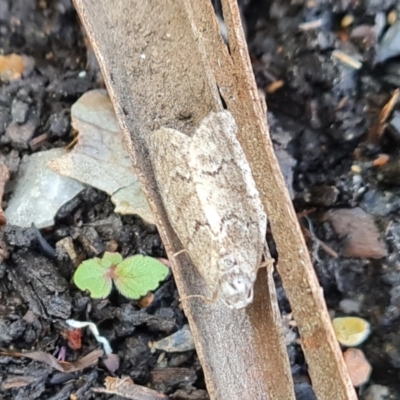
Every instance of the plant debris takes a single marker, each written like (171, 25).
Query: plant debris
(62, 366)
(358, 229)
(336, 132)
(99, 158)
(126, 388)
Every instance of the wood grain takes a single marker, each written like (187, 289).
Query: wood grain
(236, 84)
(156, 76)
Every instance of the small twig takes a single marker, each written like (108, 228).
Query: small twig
(376, 131)
(306, 26)
(311, 234)
(126, 388)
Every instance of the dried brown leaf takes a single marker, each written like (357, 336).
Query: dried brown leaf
(62, 366)
(358, 227)
(126, 388)
(376, 131)
(111, 362)
(13, 382)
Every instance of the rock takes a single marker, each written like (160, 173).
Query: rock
(59, 123)
(362, 236)
(322, 195)
(393, 310)
(390, 44)
(39, 192)
(11, 161)
(4, 118)
(381, 202)
(177, 342)
(376, 392)
(349, 306)
(358, 366)
(304, 391)
(20, 135)
(19, 111)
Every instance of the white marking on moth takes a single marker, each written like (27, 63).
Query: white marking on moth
(213, 216)
(212, 204)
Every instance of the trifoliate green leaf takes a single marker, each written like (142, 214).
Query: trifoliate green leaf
(110, 259)
(93, 276)
(137, 275)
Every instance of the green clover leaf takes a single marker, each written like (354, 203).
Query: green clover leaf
(137, 275)
(93, 276)
(110, 259)
(134, 277)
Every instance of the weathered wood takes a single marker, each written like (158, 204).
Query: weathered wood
(156, 76)
(235, 80)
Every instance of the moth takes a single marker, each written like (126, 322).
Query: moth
(212, 203)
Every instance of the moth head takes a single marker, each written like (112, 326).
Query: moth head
(236, 288)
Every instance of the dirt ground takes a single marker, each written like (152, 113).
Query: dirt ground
(327, 69)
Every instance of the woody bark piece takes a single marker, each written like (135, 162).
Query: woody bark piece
(153, 70)
(234, 77)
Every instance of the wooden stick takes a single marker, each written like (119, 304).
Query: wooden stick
(154, 71)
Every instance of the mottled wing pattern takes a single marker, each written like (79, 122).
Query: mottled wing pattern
(169, 150)
(212, 203)
(227, 194)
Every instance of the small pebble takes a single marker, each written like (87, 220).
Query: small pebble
(358, 366)
(177, 342)
(59, 124)
(19, 111)
(389, 46)
(376, 392)
(349, 306)
(4, 119)
(111, 246)
(392, 17)
(346, 21)
(20, 135)
(304, 391)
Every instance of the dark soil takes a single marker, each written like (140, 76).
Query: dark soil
(320, 120)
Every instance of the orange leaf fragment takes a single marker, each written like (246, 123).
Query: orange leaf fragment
(11, 66)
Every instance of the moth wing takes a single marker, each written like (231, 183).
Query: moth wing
(169, 151)
(226, 189)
